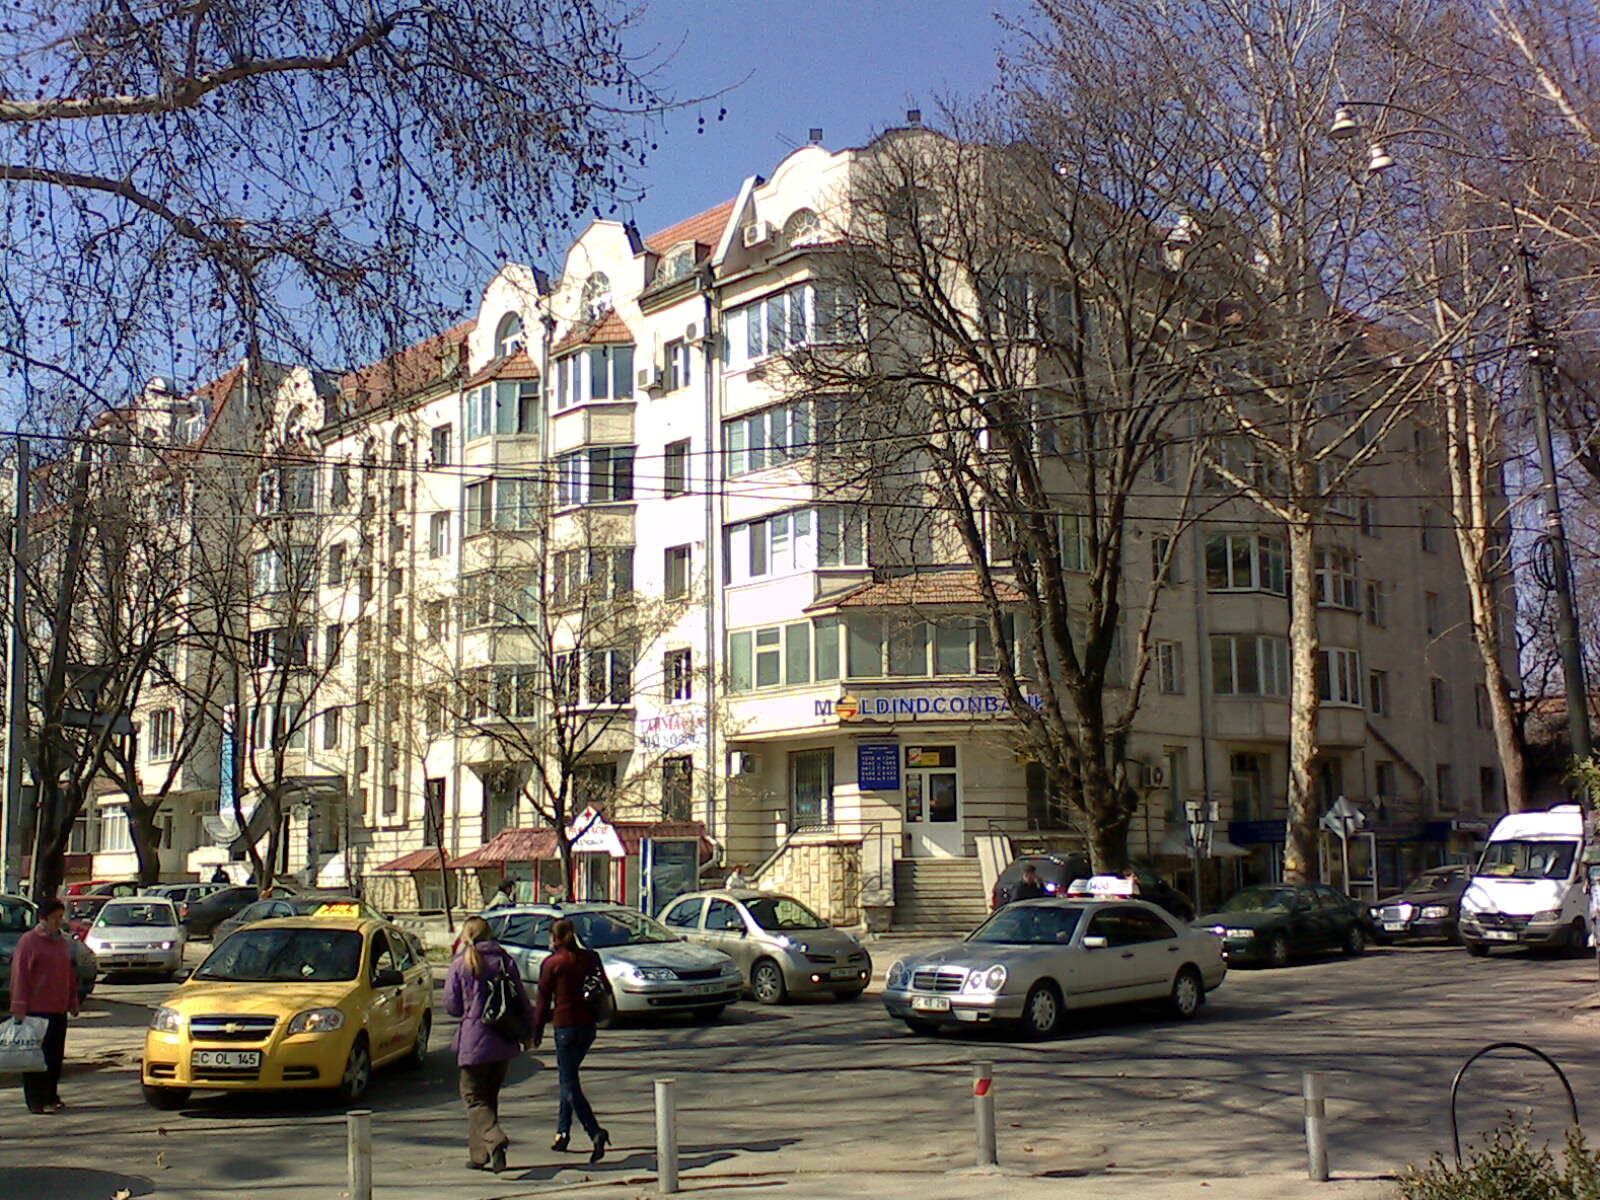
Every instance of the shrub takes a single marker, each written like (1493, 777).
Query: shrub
(1506, 1165)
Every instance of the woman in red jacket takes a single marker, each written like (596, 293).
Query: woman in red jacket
(44, 984)
(562, 1004)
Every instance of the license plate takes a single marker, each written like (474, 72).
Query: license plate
(931, 1003)
(1499, 935)
(842, 973)
(225, 1058)
(705, 989)
(1394, 926)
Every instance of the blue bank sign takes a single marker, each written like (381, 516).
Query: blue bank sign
(878, 766)
(854, 708)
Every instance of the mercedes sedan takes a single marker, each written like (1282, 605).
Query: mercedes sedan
(1033, 961)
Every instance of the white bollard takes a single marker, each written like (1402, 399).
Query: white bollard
(358, 1127)
(1315, 1088)
(983, 1112)
(666, 1138)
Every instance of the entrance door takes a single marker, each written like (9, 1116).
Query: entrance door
(933, 802)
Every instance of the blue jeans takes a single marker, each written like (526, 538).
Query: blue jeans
(572, 1044)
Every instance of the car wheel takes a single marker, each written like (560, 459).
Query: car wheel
(1278, 951)
(165, 1098)
(1578, 939)
(766, 982)
(1188, 993)
(419, 1048)
(1477, 950)
(704, 1016)
(1355, 941)
(921, 1028)
(357, 1072)
(1041, 1011)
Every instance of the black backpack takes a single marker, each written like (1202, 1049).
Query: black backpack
(503, 1010)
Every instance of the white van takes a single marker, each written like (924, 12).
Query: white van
(1530, 886)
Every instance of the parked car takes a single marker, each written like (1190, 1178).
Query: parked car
(1056, 872)
(1426, 908)
(309, 1002)
(100, 887)
(783, 948)
(309, 905)
(1033, 961)
(652, 969)
(81, 912)
(17, 916)
(137, 933)
(1272, 923)
(182, 895)
(210, 911)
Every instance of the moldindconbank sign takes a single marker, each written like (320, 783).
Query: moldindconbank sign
(919, 706)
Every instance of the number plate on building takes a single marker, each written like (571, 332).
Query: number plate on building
(241, 1059)
(931, 1003)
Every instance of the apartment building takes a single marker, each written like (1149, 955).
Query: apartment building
(794, 698)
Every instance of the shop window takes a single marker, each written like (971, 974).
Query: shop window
(810, 789)
(677, 788)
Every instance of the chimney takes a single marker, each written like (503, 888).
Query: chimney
(913, 116)
(815, 135)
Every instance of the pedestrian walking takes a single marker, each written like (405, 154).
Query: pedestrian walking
(568, 983)
(44, 984)
(483, 977)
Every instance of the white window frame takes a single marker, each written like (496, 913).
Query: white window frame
(439, 535)
(1339, 677)
(163, 734)
(1271, 656)
(1338, 583)
(1168, 661)
(1268, 572)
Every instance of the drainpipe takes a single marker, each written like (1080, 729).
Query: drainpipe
(709, 360)
(1202, 660)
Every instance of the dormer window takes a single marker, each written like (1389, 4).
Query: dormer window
(678, 263)
(508, 335)
(596, 297)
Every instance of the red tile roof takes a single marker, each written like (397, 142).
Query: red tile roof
(529, 845)
(403, 372)
(418, 860)
(944, 587)
(610, 330)
(705, 228)
(507, 366)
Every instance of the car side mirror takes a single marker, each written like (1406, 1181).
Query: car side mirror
(1094, 941)
(389, 977)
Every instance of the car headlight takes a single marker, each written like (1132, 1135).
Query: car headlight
(1240, 933)
(166, 945)
(94, 944)
(898, 976)
(1549, 914)
(653, 974)
(317, 1020)
(166, 1020)
(1219, 930)
(1435, 912)
(990, 979)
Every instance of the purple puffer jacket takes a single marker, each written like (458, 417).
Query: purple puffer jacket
(475, 1042)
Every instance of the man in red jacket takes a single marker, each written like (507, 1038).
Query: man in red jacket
(44, 984)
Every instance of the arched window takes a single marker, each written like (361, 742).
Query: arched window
(508, 335)
(802, 228)
(596, 298)
(399, 447)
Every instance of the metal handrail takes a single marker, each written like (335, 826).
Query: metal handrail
(1455, 1086)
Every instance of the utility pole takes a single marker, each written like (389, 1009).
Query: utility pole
(16, 682)
(1540, 355)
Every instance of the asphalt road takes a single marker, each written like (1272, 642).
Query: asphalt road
(830, 1087)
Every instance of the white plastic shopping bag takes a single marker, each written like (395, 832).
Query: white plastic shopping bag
(22, 1044)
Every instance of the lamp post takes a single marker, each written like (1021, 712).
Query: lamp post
(1541, 359)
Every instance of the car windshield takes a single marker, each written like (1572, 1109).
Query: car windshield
(618, 927)
(780, 912)
(1528, 860)
(15, 917)
(127, 915)
(273, 955)
(1432, 881)
(1029, 925)
(1260, 899)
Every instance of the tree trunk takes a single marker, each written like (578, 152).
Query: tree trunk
(146, 839)
(1108, 840)
(1300, 861)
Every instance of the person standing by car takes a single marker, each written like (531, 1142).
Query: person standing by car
(505, 894)
(1029, 887)
(564, 1005)
(483, 1052)
(44, 984)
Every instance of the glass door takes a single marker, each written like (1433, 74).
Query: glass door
(933, 802)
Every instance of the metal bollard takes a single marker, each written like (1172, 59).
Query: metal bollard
(983, 1112)
(358, 1128)
(1314, 1085)
(666, 1138)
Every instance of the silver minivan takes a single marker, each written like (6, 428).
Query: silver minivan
(783, 948)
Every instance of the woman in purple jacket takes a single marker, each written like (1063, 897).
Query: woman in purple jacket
(482, 1053)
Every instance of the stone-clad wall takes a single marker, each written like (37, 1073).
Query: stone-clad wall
(823, 875)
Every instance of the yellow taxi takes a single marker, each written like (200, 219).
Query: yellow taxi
(303, 1002)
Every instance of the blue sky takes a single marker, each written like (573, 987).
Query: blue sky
(850, 67)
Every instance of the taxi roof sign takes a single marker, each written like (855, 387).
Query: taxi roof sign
(1104, 886)
(344, 908)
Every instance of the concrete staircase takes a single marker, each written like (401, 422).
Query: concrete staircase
(938, 895)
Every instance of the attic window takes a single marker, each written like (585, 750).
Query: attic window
(508, 335)
(596, 297)
(676, 264)
(802, 228)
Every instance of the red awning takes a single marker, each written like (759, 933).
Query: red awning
(426, 859)
(532, 845)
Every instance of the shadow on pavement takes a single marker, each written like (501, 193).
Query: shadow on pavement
(70, 1183)
(690, 1158)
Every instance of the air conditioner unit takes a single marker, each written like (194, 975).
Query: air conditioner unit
(657, 380)
(644, 376)
(1153, 775)
(690, 332)
(756, 233)
(742, 762)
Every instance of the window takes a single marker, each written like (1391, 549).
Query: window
(1076, 532)
(603, 475)
(826, 648)
(1245, 562)
(841, 536)
(676, 264)
(1337, 586)
(677, 359)
(1488, 790)
(776, 656)
(439, 535)
(339, 493)
(594, 373)
(609, 678)
(767, 438)
(507, 407)
(330, 729)
(810, 788)
(675, 478)
(908, 648)
(786, 321)
(280, 647)
(1445, 787)
(677, 788)
(515, 503)
(332, 643)
(1386, 777)
(115, 835)
(1429, 535)
(1330, 471)
(508, 335)
(1377, 605)
(802, 227)
(775, 545)
(1161, 464)
(503, 597)
(479, 508)
(591, 576)
(677, 673)
(1439, 699)
(1339, 676)
(1168, 657)
(439, 445)
(676, 568)
(1163, 554)
(1370, 525)
(432, 811)
(595, 300)
(1249, 664)
(1481, 712)
(1430, 610)
(163, 734)
(875, 648)
(1378, 692)
(336, 565)
(435, 618)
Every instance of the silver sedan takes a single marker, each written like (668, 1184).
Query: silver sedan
(137, 933)
(1031, 962)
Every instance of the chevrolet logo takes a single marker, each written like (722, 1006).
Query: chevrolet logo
(233, 1027)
